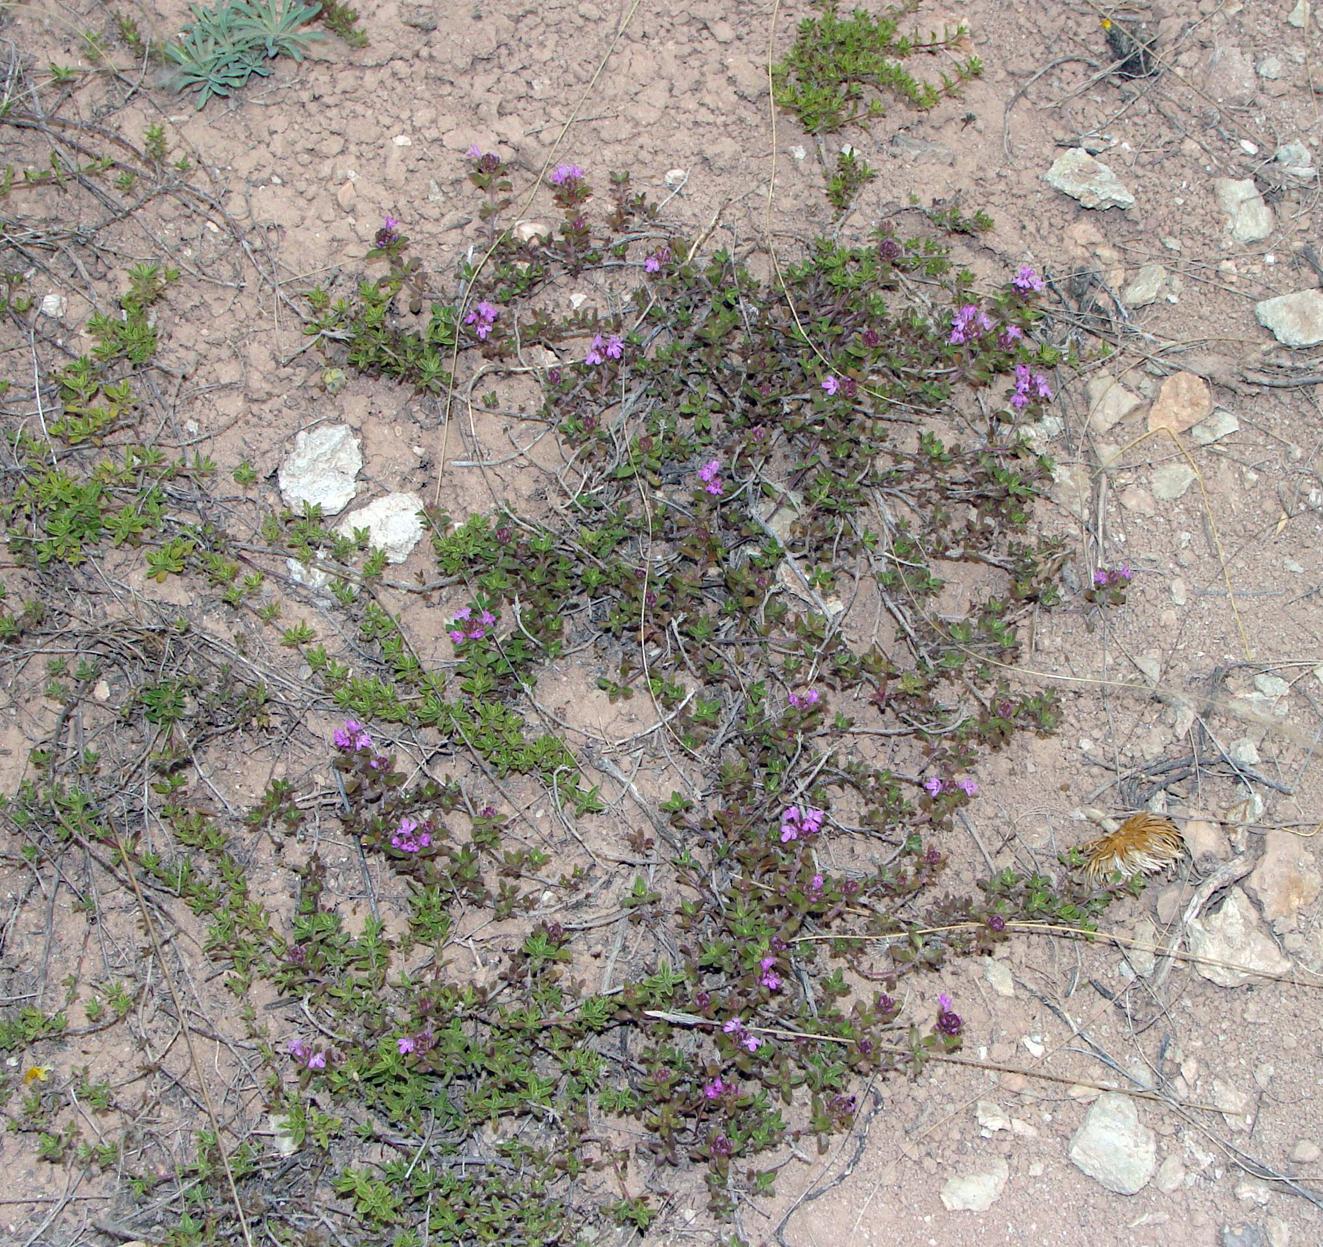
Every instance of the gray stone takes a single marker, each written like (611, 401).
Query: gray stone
(1072, 488)
(1109, 401)
(53, 305)
(1114, 1147)
(1138, 500)
(321, 469)
(392, 523)
(1171, 481)
(1248, 217)
(1145, 286)
(1270, 67)
(1286, 879)
(1171, 1174)
(1219, 425)
(1299, 16)
(1243, 1236)
(1296, 161)
(1092, 183)
(1296, 320)
(977, 1191)
(1235, 934)
(998, 974)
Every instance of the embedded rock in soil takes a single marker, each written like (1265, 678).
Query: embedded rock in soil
(1219, 425)
(978, 1191)
(1145, 286)
(1296, 320)
(1286, 879)
(1109, 401)
(1235, 934)
(392, 523)
(1248, 217)
(1114, 1147)
(1182, 402)
(1171, 481)
(1296, 161)
(1079, 175)
(321, 469)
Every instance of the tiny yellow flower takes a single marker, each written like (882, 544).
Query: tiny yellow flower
(36, 1073)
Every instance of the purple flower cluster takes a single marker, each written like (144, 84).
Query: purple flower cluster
(1029, 384)
(840, 385)
(969, 322)
(1026, 280)
(562, 175)
(709, 474)
(816, 885)
(309, 1058)
(802, 701)
(414, 1043)
(482, 318)
(471, 629)
(715, 1088)
(410, 836)
(1010, 336)
(797, 822)
(1112, 578)
(654, 262)
(352, 737)
(601, 349)
(488, 162)
(388, 233)
(947, 1022)
(769, 977)
(735, 1028)
(935, 786)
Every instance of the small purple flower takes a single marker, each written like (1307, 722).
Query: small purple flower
(1099, 578)
(298, 1050)
(406, 1044)
(997, 922)
(352, 736)
(1124, 572)
(802, 701)
(933, 786)
(709, 475)
(769, 977)
(596, 351)
(655, 261)
(562, 174)
(751, 1043)
(388, 232)
(714, 1089)
(949, 1023)
(944, 1002)
(317, 1060)
(482, 318)
(734, 1027)
(1010, 336)
(969, 322)
(816, 883)
(1026, 279)
(831, 384)
(967, 785)
(615, 346)
(474, 152)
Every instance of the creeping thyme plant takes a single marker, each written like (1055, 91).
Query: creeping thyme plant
(732, 924)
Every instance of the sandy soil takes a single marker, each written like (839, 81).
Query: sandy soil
(307, 163)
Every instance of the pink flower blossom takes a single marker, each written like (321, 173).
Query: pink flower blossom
(714, 1089)
(474, 152)
(406, 1044)
(1026, 279)
(933, 785)
(967, 785)
(831, 384)
(654, 262)
(562, 174)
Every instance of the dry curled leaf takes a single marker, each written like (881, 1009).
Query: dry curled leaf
(1142, 845)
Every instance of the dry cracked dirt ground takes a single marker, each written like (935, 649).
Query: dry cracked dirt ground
(1205, 690)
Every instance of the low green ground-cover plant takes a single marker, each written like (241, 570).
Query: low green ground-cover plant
(747, 462)
(839, 68)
